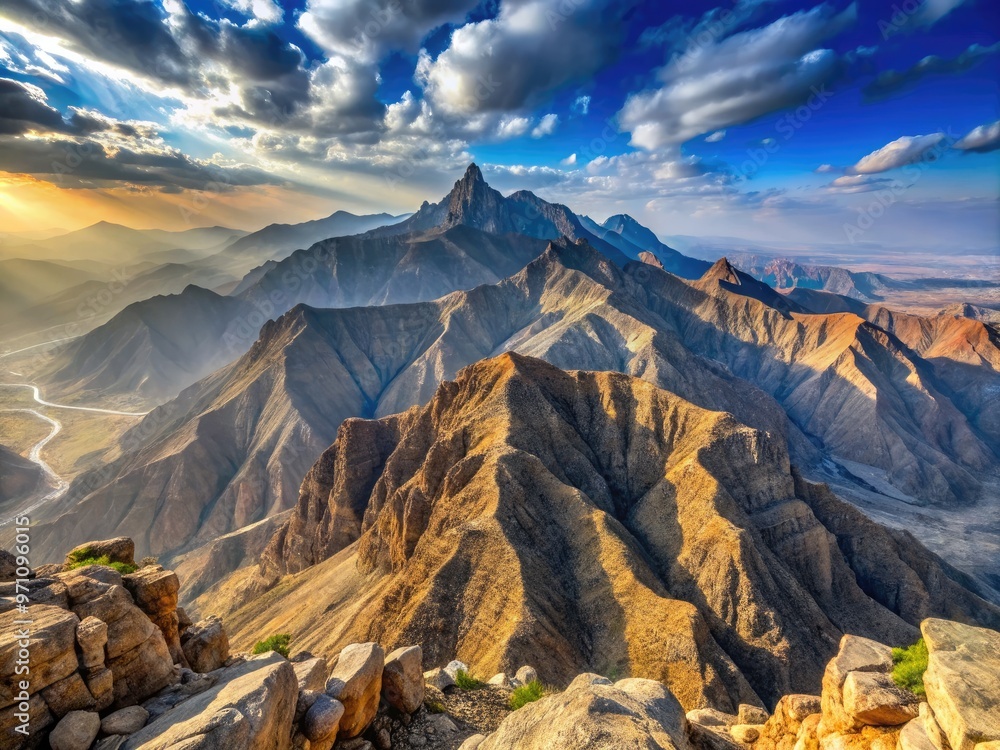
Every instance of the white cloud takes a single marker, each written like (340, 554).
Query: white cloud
(569, 161)
(531, 48)
(581, 105)
(715, 137)
(981, 139)
(267, 11)
(825, 168)
(902, 151)
(546, 126)
(933, 11)
(513, 127)
(857, 183)
(737, 79)
(366, 29)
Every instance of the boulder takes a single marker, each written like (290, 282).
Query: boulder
(155, 592)
(322, 720)
(77, 730)
(500, 680)
(91, 638)
(356, 681)
(439, 678)
(311, 674)
(101, 684)
(403, 679)
(857, 654)
(914, 737)
(873, 698)
(251, 707)
(961, 681)
(630, 713)
(525, 675)
(69, 694)
(125, 720)
(748, 714)
(473, 742)
(934, 731)
(587, 678)
(206, 645)
(781, 731)
(52, 656)
(709, 717)
(120, 550)
(746, 733)
(454, 667)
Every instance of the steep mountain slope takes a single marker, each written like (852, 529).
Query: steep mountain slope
(852, 386)
(473, 203)
(153, 348)
(632, 238)
(831, 387)
(277, 241)
(588, 520)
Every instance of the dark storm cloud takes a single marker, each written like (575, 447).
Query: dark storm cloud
(88, 163)
(126, 33)
(891, 81)
(23, 108)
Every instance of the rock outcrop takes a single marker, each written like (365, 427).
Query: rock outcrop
(963, 682)
(630, 713)
(863, 708)
(98, 644)
(589, 521)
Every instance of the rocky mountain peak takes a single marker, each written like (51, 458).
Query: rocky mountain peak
(474, 203)
(722, 270)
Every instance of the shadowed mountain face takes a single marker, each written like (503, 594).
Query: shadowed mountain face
(19, 479)
(632, 238)
(587, 521)
(231, 449)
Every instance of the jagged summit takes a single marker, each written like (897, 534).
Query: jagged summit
(722, 270)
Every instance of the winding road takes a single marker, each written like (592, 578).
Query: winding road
(59, 485)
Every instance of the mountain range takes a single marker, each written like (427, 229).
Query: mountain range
(514, 435)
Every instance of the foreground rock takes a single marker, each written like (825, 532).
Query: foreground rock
(403, 679)
(356, 682)
(251, 708)
(963, 681)
(630, 713)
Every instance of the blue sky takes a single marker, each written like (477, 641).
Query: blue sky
(834, 123)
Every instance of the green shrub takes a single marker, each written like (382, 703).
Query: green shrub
(526, 694)
(909, 666)
(84, 557)
(465, 681)
(278, 642)
(434, 707)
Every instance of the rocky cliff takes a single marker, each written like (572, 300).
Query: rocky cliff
(615, 523)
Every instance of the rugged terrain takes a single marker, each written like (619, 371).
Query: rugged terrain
(590, 521)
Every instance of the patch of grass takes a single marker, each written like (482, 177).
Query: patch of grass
(434, 707)
(526, 694)
(278, 642)
(82, 558)
(909, 666)
(466, 681)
